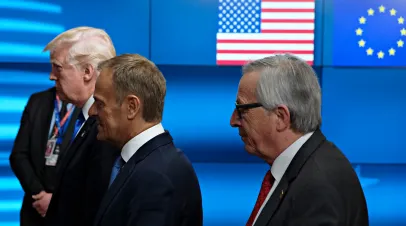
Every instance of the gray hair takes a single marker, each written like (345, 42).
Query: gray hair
(290, 81)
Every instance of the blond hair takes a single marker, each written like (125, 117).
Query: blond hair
(87, 45)
(134, 74)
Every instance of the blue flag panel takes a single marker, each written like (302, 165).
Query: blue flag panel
(369, 33)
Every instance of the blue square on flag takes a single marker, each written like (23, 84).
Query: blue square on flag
(369, 33)
(253, 29)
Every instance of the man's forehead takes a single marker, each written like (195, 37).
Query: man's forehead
(100, 89)
(106, 73)
(250, 78)
(247, 86)
(59, 53)
(104, 79)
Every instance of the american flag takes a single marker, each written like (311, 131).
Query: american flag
(253, 29)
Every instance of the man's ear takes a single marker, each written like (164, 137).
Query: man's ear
(88, 70)
(283, 114)
(133, 106)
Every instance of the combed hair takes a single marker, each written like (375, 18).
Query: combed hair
(87, 45)
(134, 74)
(287, 80)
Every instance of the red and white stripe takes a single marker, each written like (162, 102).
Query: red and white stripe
(287, 26)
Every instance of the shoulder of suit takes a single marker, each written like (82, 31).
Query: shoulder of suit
(42, 94)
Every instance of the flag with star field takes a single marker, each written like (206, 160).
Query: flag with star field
(369, 33)
(253, 29)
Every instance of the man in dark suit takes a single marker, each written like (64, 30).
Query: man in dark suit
(152, 183)
(278, 115)
(84, 172)
(44, 119)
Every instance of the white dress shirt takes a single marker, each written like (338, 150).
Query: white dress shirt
(136, 142)
(281, 163)
(85, 111)
(86, 107)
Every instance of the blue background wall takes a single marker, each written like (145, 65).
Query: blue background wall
(362, 107)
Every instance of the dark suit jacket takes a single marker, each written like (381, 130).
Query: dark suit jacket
(157, 186)
(83, 179)
(27, 159)
(319, 187)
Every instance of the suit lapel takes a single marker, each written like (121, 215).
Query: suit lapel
(46, 112)
(129, 167)
(75, 145)
(290, 175)
(273, 203)
(68, 135)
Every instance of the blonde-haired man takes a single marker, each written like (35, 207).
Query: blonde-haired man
(84, 170)
(75, 55)
(153, 183)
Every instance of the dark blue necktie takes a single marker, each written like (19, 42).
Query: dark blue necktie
(118, 164)
(79, 121)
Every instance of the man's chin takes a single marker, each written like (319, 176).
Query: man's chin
(249, 149)
(63, 97)
(100, 136)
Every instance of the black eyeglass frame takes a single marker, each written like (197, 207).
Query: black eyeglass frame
(238, 107)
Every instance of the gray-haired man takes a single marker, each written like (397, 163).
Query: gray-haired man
(278, 115)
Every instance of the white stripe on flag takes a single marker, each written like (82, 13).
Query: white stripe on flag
(287, 5)
(284, 47)
(275, 15)
(249, 57)
(262, 36)
(288, 26)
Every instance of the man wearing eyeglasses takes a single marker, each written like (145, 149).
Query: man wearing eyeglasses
(310, 181)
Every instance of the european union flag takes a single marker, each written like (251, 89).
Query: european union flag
(369, 33)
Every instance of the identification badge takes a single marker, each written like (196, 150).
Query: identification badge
(52, 158)
(50, 147)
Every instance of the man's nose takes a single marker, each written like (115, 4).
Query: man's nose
(52, 76)
(92, 110)
(235, 119)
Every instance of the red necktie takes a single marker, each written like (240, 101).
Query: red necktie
(265, 189)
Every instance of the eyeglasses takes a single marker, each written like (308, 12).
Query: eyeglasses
(241, 107)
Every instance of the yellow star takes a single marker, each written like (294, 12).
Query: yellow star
(401, 20)
(400, 43)
(402, 32)
(361, 43)
(393, 12)
(370, 51)
(380, 55)
(362, 20)
(392, 52)
(370, 12)
(381, 9)
(359, 31)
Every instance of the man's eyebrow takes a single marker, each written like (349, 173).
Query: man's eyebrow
(238, 101)
(97, 99)
(56, 63)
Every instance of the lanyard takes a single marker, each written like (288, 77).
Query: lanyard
(60, 123)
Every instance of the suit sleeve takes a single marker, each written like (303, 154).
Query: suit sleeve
(20, 156)
(151, 203)
(317, 206)
(100, 162)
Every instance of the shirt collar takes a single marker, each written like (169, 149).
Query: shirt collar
(282, 162)
(136, 142)
(86, 107)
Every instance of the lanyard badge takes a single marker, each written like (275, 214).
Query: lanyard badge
(59, 124)
(52, 148)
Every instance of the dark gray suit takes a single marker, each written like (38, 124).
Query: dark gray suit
(27, 159)
(319, 188)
